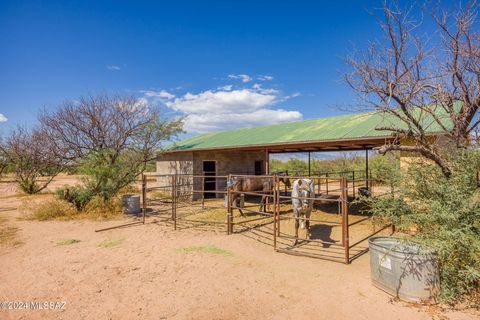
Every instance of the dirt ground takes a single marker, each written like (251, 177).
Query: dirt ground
(153, 272)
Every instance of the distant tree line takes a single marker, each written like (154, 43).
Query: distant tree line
(380, 166)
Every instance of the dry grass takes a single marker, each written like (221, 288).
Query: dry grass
(111, 243)
(8, 234)
(56, 209)
(98, 209)
(165, 195)
(211, 249)
(130, 189)
(48, 210)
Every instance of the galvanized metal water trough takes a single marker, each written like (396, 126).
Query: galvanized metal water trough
(404, 270)
(131, 203)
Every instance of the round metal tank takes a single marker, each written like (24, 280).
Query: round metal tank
(131, 203)
(404, 271)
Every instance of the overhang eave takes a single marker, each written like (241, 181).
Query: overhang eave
(300, 146)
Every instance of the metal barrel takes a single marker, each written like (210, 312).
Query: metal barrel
(404, 270)
(131, 203)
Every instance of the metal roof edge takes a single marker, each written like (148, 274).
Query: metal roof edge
(277, 144)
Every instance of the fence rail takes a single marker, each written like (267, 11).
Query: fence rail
(179, 199)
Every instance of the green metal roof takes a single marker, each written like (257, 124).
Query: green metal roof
(344, 127)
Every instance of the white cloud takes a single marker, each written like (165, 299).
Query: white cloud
(293, 95)
(223, 109)
(113, 68)
(244, 77)
(3, 118)
(222, 101)
(259, 88)
(226, 88)
(265, 78)
(162, 94)
(224, 121)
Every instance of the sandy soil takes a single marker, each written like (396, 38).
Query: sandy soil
(152, 272)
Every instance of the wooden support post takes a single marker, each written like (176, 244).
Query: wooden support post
(267, 162)
(144, 197)
(174, 200)
(277, 182)
(371, 183)
(366, 168)
(203, 192)
(267, 172)
(340, 211)
(275, 208)
(229, 207)
(309, 171)
(345, 226)
(353, 179)
(346, 187)
(326, 182)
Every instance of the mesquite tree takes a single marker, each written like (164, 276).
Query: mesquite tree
(413, 74)
(32, 158)
(109, 138)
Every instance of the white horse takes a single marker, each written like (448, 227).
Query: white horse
(302, 208)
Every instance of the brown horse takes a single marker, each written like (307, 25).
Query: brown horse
(253, 184)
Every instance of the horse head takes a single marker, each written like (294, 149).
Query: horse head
(305, 191)
(284, 178)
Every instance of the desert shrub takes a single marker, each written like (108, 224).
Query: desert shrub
(79, 196)
(385, 169)
(59, 209)
(104, 178)
(50, 209)
(89, 205)
(443, 214)
(101, 179)
(100, 208)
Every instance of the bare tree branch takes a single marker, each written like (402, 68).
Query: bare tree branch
(421, 81)
(115, 135)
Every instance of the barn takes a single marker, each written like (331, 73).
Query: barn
(247, 150)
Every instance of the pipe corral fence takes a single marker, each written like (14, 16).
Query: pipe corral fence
(339, 225)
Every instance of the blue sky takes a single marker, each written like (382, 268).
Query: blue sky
(221, 64)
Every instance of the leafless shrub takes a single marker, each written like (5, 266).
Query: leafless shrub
(32, 158)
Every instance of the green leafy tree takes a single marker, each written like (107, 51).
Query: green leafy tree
(443, 214)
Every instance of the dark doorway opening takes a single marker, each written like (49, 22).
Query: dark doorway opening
(258, 168)
(209, 169)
